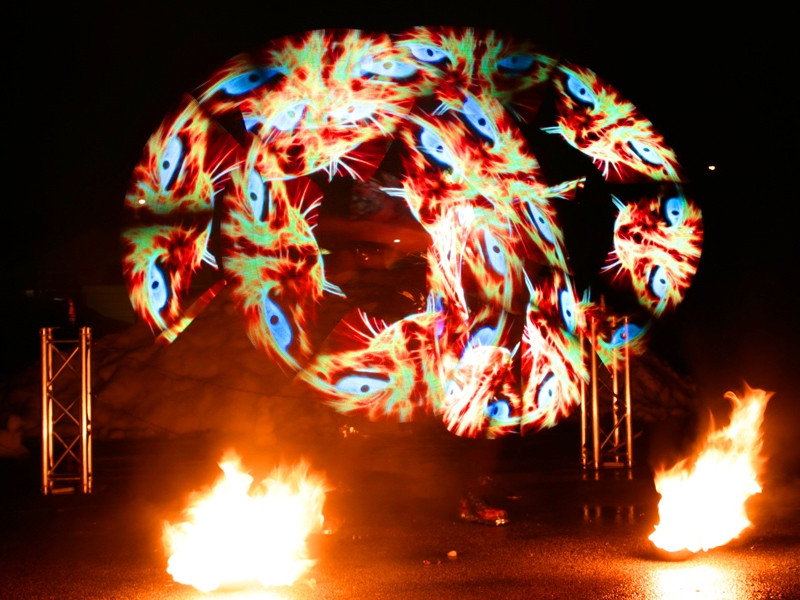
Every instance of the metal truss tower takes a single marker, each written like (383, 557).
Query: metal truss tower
(66, 413)
(611, 444)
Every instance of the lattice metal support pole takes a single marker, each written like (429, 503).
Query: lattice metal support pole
(66, 435)
(584, 454)
(628, 420)
(86, 409)
(615, 396)
(595, 411)
(46, 336)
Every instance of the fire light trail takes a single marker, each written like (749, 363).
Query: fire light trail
(241, 178)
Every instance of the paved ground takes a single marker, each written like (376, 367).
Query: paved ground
(393, 514)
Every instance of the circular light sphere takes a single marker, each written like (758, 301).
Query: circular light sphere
(390, 225)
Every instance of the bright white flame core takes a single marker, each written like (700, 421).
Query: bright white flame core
(235, 535)
(703, 498)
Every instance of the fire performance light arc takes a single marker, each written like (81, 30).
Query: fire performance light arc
(239, 181)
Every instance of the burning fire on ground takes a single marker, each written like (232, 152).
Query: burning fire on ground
(237, 533)
(703, 497)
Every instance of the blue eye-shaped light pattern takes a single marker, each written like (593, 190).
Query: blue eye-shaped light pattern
(675, 211)
(277, 323)
(241, 84)
(494, 253)
(516, 63)
(485, 336)
(428, 54)
(157, 288)
(499, 410)
(546, 394)
(542, 225)
(625, 333)
(436, 305)
(362, 384)
(434, 147)
(580, 91)
(257, 193)
(170, 165)
(567, 304)
(647, 152)
(452, 389)
(394, 69)
(252, 122)
(478, 119)
(289, 117)
(658, 281)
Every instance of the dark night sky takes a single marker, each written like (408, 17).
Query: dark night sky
(87, 87)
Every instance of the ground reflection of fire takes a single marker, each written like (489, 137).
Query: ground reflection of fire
(703, 497)
(237, 533)
(698, 582)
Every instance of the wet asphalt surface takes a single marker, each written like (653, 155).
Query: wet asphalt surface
(392, 528)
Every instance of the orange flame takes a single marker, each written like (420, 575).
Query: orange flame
(235, 535)
(703, 498)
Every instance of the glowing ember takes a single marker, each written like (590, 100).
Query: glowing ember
(235, 535)
(703, 497)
